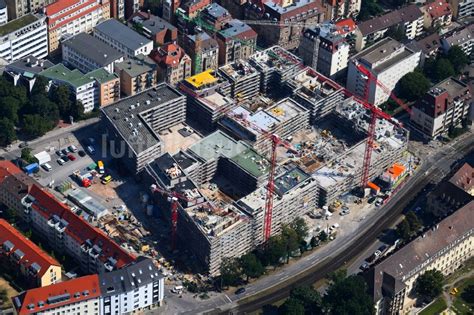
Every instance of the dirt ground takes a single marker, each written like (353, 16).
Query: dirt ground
(11, 292)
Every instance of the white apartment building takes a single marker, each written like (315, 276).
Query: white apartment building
(28, 37)
(65, 20)
(3, 12)
(123, 38)
(75, 296)
(324, 50)
(445, 247)
(135, 288)
(463, 38)
(388, 61)
(77, 52)
(462, 8)
(409, 18)
(445, 105)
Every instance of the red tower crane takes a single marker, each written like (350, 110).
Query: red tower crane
(173, 197)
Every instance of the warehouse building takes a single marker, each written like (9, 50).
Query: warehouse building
(133, 124)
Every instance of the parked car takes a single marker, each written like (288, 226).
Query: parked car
(72, 148)
(90, 149)
(60, 161)
(23, 145)
(58, 153)
(240, 291)
(46, 167)
(65, 158)
(71, 157)
(64, 151)
(81, 153)
(364, 266)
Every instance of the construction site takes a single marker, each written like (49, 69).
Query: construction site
(246, 147)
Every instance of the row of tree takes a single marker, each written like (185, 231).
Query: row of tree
(345, 295)
(33, 114)
(409, 226)
(278, 250)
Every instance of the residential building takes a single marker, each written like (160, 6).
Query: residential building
(319, 94)
(452, 194)
(24, 70)
(243, 78)
(154, 28)
(66, 18)
(132, 125)
(388, 61)
(19, 255)
(409, 19)
(324, 50)
(463, 38)
(135, 288)
(236, 41)
(136, 74)
(443, 107)
(169, 8)
(24, 36)
(75, 296)
(462, 8)
(436, 14)
(173, 63)
(444, 247)
(203, 51)
(288, 37)
(77, 53)
(430, 46)
(3, 12)
(340, 9)
(132, 7)
(123, 38)
(192, 8)
(62, 229)
(345, 27)
(18, 8)
(216, 15)
(87, 87)
(117, 9)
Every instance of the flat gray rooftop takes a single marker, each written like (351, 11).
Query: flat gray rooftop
(127, 119)
(101, 53)
(215, 145)
(122, 34)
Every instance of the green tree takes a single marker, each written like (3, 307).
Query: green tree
(403, 230)
(429, 285)
(40, 86)
(458, 58)
(251, 266)
(274, 250)
(301, 228)
(292, 307)
(62, 96)
(9, 107)
(338, 275)
(77, 111)
(468, 294)
(35, 125)
(291, 240)
(414, 222)
(397, 33)
(7, 132)
(26, 155)
(369, 8)
(314, 242)
(413, 85)
(230, 272)
(45, 108)
(443, 69)
(348, 296)
(309, 297)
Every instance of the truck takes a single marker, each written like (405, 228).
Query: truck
(84, 177)
(31, 168)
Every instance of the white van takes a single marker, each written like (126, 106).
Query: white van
(46, 167)
(177, 289)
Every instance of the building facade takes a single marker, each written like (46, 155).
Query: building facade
(154, 28)
(203, 51)
(77, 52)
(24, 257)
(409, 19)
(462, 8)
(24, 36)
(463, 37)
(443, 107)
(136, 74)
(436, 14)
(122, 38)
(65, 19)
(18, 8)
(173, 63)
(236, 40)
(388, 61)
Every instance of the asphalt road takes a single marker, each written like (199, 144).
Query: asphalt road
(311, 269)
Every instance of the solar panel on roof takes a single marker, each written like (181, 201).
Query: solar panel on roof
(58, 298)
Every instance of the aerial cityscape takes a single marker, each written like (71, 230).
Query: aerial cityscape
(237, 157)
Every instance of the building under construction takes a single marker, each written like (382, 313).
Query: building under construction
(243, 78)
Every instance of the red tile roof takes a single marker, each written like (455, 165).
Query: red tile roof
(345, 26)
(57, 295)
(47, 205)
(7, 169)
(169, 54)
(464, 177)
(33, 254)
(60, 5)
(437, 9)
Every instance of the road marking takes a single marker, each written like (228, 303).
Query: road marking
(230, 301)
